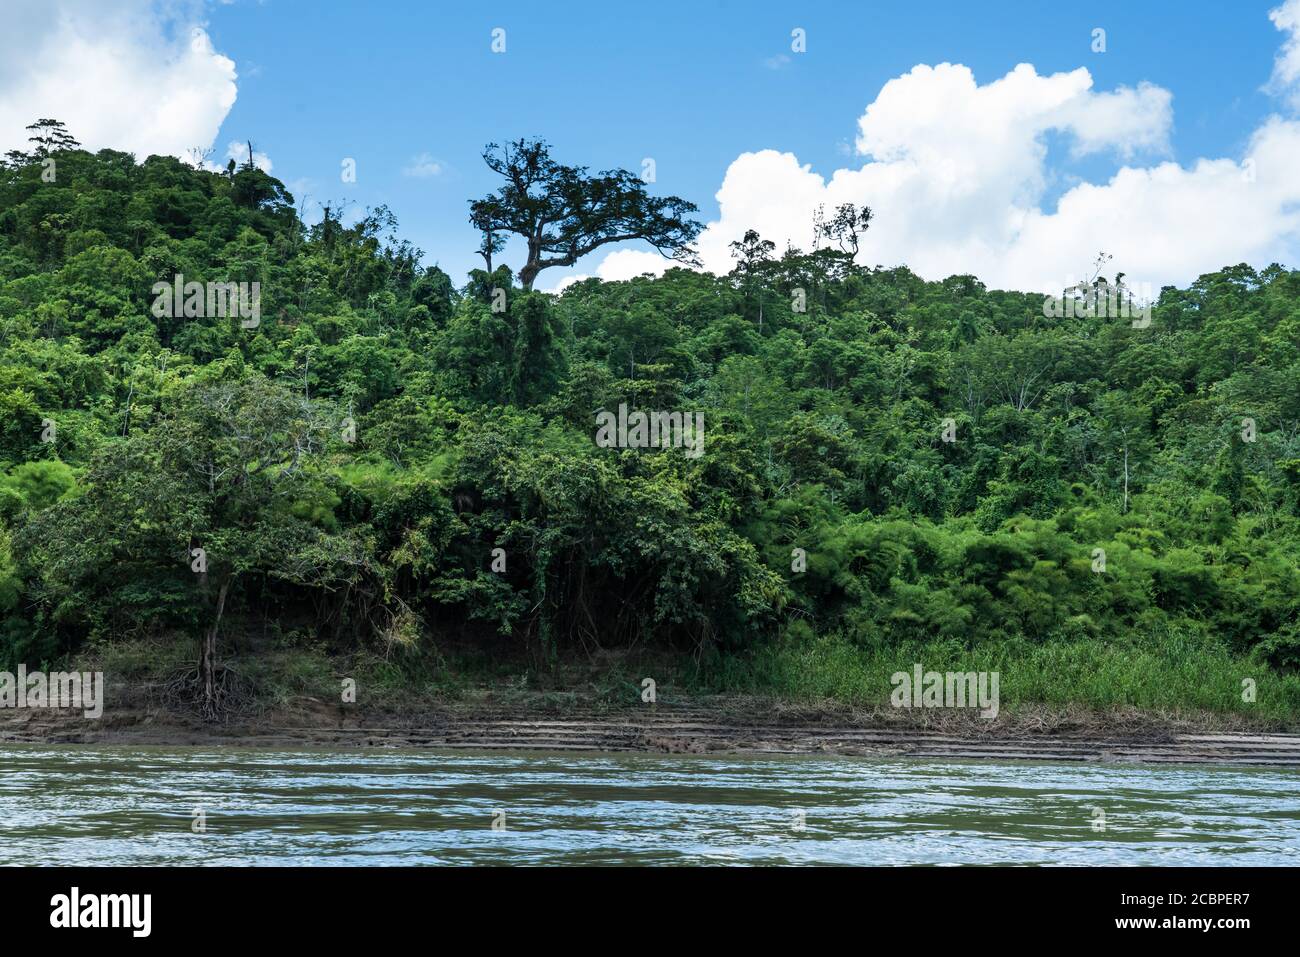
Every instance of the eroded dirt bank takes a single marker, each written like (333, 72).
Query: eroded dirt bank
(705, 725)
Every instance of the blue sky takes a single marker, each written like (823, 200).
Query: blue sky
(691, 84)
(695, 86)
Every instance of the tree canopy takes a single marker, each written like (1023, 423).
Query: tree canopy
(562, 213)
(886, 458)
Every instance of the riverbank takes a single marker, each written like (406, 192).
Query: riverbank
(1067, 702)
(702, 725)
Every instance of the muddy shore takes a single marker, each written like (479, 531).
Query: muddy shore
(699, 726)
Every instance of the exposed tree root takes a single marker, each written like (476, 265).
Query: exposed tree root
(231, 695)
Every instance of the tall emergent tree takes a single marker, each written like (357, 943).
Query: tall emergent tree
(844, 228)
(50, 136)
(563, 213)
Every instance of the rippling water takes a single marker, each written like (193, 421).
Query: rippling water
(75, 805)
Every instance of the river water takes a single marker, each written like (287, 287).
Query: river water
(98, 805)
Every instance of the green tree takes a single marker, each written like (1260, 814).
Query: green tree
(562, 213)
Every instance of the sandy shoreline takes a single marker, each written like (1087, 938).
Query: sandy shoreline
(729, 726)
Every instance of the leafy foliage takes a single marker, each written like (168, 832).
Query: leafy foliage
(353, 461)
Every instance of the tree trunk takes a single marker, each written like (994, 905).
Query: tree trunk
(208, 652)
(1125, 512)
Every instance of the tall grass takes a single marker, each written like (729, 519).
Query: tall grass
(1176, 672)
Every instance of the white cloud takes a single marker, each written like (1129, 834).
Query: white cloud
(620, 265)
(237, 150)
(135, 75)
(1285, 81)
(629, 263)
(422, 166)
(958, 176)
(565, 283)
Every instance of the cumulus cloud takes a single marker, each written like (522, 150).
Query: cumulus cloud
(422, 167)
(137, 75)
(627, 263)
(1285, 81)
(565, 283)
(238, 150)
(958, 175)
(620, 265)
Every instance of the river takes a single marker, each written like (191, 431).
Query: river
(102, 805)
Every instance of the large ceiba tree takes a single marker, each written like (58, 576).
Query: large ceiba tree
(562, 213)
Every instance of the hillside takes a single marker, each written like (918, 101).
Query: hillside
(386, 468)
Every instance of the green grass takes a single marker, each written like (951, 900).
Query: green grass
(1176, 672)
(1171, 673)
